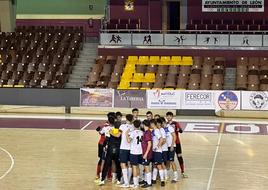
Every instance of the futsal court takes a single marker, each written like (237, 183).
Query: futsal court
(60, 153)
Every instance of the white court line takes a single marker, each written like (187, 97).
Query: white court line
(214, 162)
(92, 117)
(231, 170)
(12, 163)
(83, 128)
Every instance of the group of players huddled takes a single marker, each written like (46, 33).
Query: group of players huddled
(132, 153)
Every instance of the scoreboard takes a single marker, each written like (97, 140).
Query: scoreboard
(232, 5)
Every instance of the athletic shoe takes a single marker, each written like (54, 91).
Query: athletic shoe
(114, 181)
(142, 182)
(124, 186)
(101, 183)
(162, 183)
(97, 180)
(183, 175)
(119, 183)
(174, 181)
(146, 185)
(153, 181)
(134, 186)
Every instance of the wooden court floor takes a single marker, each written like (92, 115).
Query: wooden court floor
(55, 159)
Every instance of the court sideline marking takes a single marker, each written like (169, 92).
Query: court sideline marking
(215, 158)
(84, 127)
(12, 163)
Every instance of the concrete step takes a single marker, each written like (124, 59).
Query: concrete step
(86, 59)
(84, 67)
(77, 77)
(81, 69)
(79, 82)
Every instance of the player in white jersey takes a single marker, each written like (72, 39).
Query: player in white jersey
(171, 142)
(135, 138)
(124, 155)
(157, 153)
(161, 122)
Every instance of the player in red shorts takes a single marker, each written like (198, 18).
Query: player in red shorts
(178, 129)
(103, 131)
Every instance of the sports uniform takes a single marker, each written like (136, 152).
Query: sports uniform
(157, 151)
(125, 146)
(165, 145)
(169, 129)
(136, 147)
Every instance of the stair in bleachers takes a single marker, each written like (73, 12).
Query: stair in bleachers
(85, 61)
(229, 78)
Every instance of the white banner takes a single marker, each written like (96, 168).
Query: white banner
(197, 100)
(115, 39)
(212, 40)
(180, 39)
(254, 100)
(147, 39)
(245, 40)
(227, 100)
(163, 99)
(233, 6)
(265, 40)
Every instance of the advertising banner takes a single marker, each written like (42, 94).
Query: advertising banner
(147, 39)
(96, 97)
(180, 39)
(246, 40)
(254, 100)
(233, 6)
(115, 39)
(130, 99)
(227, 100)
(197, 100)
(212, 40)
(163, 99)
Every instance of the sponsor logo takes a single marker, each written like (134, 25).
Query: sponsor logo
(198, 98)
(125, 97)
(164, 99)
(258, 100)
(228, 100)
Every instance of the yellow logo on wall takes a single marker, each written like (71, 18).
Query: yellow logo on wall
(129, 5)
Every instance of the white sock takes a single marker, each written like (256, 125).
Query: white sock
(125, 176)
(161, 173)
(114, 176)
(154, 173)
(136, 180)
(100, 175)
(129, 173)
(166, 174)
(149, 178)
(175, 176)
(169, 172)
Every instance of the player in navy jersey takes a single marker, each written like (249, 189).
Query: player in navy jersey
(135, 138)
(157, 152)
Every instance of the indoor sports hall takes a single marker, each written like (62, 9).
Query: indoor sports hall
(79, 78)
